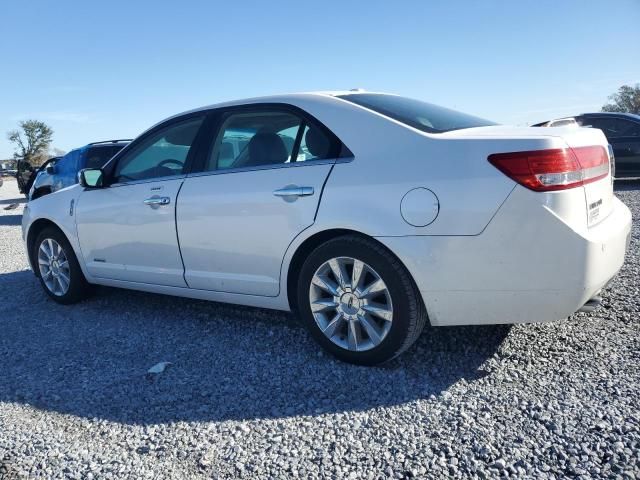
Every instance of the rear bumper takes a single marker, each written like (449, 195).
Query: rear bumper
(527, 266)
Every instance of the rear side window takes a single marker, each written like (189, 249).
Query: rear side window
(98, 156)
(256, 139)
(415, 113)
(613, 127)
(314, 145)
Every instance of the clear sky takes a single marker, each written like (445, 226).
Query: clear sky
(101, 70)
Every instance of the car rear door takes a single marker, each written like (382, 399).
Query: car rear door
(258, 187)
(127, 230)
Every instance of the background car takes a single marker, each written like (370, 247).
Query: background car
(29, 174)
(61, 172)
(560, 122)
(25, 175)
(622, 131)
(6, 168)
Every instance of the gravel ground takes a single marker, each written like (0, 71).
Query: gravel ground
(249, 395)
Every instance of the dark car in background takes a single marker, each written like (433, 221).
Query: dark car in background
(25, 175)
(623, 133)
(61, 172)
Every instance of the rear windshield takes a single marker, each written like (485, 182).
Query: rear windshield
(98, 156)
(421, 115)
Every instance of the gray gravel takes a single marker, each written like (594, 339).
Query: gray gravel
(249, 395)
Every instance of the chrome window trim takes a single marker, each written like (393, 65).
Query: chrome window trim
(146, 180)
(306, 163)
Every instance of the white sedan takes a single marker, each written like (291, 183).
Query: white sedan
(366, 214)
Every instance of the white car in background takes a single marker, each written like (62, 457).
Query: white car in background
(367, 214)
(560, 122)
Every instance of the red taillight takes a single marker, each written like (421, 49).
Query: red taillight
(554, 169)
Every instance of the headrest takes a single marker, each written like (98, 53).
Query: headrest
(266, 148)
(317, 143)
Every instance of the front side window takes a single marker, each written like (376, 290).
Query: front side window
(162, 154)
(265, 138)
(415, 113)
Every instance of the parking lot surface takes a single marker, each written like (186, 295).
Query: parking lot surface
(248, 394)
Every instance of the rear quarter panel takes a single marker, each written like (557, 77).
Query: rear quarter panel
(390, 159)
(367, 192)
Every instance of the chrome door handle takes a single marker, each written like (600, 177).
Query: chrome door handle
(293, 191)
(156, 201)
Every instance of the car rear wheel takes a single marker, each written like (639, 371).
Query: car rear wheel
(358, 301)
(58, 268)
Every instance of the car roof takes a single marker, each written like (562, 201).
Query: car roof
(278, 98)
(106, 143)
(109, 143)
(629, 116)
(284, 97)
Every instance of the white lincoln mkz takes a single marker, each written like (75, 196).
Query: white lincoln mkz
(366, 214)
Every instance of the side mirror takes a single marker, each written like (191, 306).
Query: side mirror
(90, 177)
(50, 169)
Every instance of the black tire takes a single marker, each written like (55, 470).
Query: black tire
(409, 314)
(78, 288)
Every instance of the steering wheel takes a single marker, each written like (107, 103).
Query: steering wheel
(171, 160)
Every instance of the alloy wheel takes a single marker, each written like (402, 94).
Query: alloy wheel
(351, 303)
(54, 267)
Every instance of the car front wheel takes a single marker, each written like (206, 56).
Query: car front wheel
(58, 268)
(359, 301)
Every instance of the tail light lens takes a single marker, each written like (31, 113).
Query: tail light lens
(554, 169)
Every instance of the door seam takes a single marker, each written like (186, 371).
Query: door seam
(301, 232)
(175, 223)
(315, 215)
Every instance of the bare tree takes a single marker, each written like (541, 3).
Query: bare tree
(31, 141)
(626, 100)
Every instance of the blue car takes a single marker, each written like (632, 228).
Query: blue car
(62, 172)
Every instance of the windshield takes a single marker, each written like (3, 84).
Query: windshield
(415, 113)
(98, 156)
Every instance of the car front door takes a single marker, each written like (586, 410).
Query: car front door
(127, 229)
(258, 187)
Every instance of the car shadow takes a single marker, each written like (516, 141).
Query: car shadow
(10, 220)
(626, 184)
(227, 362)
(8, 201)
